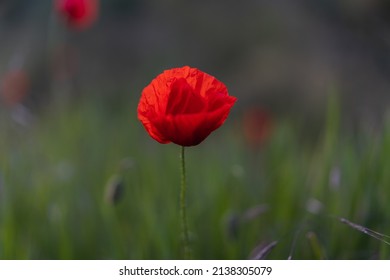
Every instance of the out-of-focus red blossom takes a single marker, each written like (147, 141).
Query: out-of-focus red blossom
(257, 125)
(79, 14)
(14, 87)
(183, 106)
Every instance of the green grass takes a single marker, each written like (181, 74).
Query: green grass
(53, 177)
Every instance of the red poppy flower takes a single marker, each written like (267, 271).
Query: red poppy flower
(183, 106)
(79, 14)
(14, 87)
(257, 126)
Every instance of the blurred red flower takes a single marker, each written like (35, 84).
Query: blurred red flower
(14, 87)
(257, 125)
(79, 14)
(183, 106)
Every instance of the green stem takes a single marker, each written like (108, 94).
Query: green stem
(183, 213)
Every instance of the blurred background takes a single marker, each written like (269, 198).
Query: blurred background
(289, 56)
(309, 131)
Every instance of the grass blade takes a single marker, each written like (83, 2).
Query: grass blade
(379, 236)
(261, 251)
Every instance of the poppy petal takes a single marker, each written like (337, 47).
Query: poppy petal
(183, 106)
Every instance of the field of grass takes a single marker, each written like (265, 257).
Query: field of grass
(301, 199)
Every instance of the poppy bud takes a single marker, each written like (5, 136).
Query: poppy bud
(114, 190)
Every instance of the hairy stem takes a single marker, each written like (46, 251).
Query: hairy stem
(183, 212)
